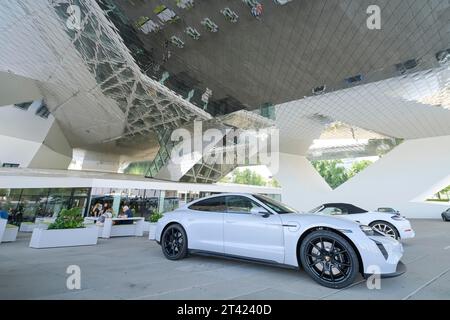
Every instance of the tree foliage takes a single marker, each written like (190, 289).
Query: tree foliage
(334, 172)
(250, 177)
(357, 167)
(68, 219)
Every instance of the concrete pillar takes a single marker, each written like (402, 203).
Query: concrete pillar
(162, 195)
(302, 186)
(116, 203)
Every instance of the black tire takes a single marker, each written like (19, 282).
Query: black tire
(444, 218)
(329, 259)
(174, 242)
(388, 228)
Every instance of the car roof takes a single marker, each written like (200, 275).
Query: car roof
(215, 196)
(350, 208)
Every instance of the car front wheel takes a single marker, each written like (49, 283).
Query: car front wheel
(386, 228)
(329, 259)
(174, 242)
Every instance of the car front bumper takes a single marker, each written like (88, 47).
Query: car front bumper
(380, 255)
(401, 269)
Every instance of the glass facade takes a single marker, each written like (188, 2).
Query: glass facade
(25, 205)
(145, 202)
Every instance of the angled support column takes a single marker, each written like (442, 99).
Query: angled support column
(403, 179)
(302, 186)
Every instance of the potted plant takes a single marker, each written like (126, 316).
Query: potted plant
(67, 230)
(153, 222)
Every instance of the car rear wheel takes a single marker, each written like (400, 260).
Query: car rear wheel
(174, 242)
(385, 228)
(329, 259)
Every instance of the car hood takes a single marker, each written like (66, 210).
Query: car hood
(317, 219)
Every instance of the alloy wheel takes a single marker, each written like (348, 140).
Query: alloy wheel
(173, 243)
(385, 229)
(328, 259)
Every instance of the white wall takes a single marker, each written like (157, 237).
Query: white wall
(17, 89)
(24, 124)
(32, 141)
(402, 179)
(13, 150)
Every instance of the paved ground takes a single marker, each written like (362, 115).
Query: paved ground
(134, 268)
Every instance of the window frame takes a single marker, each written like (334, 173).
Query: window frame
(207, 199)
(247, 198)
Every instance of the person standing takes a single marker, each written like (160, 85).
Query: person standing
(3, 213)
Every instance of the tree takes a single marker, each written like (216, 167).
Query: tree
(443, 194)
(273, 183)
(335, 173)
(138, 168)
(332, 171)
(357, 167)
(248, 177)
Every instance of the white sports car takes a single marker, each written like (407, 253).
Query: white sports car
(253, 227)
(389, 223)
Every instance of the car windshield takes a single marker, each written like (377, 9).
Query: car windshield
(385, 210)
(276, 206)
(315, 210)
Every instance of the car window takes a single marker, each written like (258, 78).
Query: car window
(216, 204)
(240, 204)
(332, 211)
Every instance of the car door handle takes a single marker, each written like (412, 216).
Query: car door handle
(228, 221)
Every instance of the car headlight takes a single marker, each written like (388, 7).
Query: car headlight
(368, 231)
(397, 218)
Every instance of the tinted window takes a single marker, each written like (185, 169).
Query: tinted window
(386, 210)
(216, 204)
(239, 204)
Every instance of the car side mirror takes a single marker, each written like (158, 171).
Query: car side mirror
(260, 212)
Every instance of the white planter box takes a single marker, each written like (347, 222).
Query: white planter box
(44, 220)
(3, 223)
(64, 237)
(146, 226)
(10, 233)
(27, 227)
(152, 231)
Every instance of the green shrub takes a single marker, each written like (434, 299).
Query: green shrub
(68, 219)
(155, 217)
